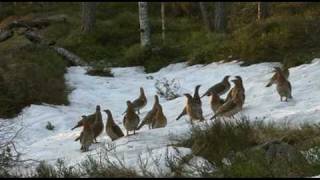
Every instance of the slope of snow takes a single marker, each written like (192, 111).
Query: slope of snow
(36, 142)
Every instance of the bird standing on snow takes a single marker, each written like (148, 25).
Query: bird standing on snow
(151, 114)
(97, 126)
(219, 88)
(87, 135)
(238, 89)
(234, 103)
(193, 109)
(285, 72)
(159, 119)
(196, 98)
(283, 85)
(91, 117)
(112, 129)
(131, 119)
(140, 102)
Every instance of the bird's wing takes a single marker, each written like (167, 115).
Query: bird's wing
(218, 88)
(229, 105)
(117, 130)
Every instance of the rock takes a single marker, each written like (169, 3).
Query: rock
(276, 149)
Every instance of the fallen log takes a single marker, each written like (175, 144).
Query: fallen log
(38, 23)
(4, 35)
(38, 39)
(73, 59)
(56, 18)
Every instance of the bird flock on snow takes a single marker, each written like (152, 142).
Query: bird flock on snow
(93, 125)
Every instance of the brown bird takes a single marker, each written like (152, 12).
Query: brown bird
(91, 117)
(97, 126)
(219, 88)
(193, 109)
(285, 72)
(131, 119)
(140, 102)
(215, 102)
(228, 109)
(196, 98)
(234, 103)
(160, 119)
(151, 114)
(237, 89)
(283, 85)
(96, 122)
(87, 135)
(112, 129)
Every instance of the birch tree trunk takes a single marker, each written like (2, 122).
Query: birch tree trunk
(205, 16)
(163, 22)
(263, 10)
(88, 16)
(144, 24)
(219, 19)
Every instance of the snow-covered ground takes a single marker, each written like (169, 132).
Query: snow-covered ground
(36, 142)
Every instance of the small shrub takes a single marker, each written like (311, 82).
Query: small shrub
(152, 58)
(167, 89)
(237, 139)
(26, 78)
(256, 164)
(98, 71)
(49, 126)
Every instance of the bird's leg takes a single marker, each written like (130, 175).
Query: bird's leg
(134, 131)
(191, 121)
(127, 133)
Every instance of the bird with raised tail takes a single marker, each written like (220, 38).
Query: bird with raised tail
(285, 72)
(150, 115)
(196, 98)
(140, 102)
(91, 117)
(112, 129)
(193, 109)
(160, 120)
(283, 85)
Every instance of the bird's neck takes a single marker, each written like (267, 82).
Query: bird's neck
(110, 120)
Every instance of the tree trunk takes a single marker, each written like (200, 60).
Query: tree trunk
(144, 24)
(205, 16)
(163, 22)
(219, 19)
(263, 10)
(1, 8)
(88, 16)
